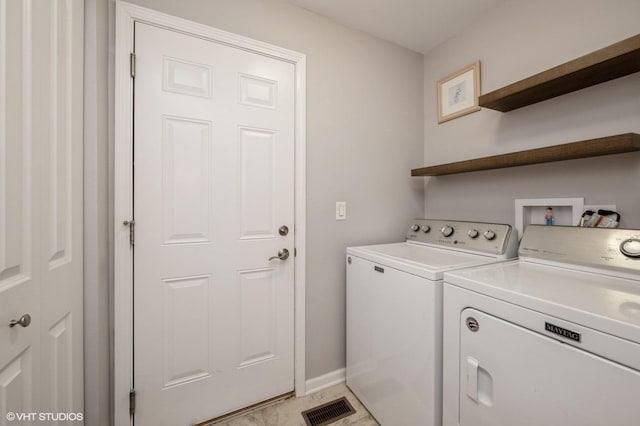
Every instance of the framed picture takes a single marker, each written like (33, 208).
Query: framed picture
(458, 93)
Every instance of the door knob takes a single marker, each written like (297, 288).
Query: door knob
(24, 321)
(282, 255)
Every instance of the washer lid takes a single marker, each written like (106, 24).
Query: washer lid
(424, 261)
(606, 303)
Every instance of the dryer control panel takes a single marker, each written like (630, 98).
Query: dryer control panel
(615, 249)
(487, 238)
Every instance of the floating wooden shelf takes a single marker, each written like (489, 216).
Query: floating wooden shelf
(615, 61)
(617, 144)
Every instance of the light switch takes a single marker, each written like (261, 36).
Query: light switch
(341, 210)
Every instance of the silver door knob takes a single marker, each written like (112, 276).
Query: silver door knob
(24, 321)
(282, 255)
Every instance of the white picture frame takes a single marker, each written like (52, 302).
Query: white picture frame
(567, 211)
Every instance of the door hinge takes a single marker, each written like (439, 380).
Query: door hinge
(295, 252)
(132, 231)
(132, 402)
(132, 65)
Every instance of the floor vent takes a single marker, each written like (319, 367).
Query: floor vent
(328, 413)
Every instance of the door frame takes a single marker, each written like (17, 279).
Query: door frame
(126, 15)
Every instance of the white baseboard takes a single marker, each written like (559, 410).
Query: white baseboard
(326, 380)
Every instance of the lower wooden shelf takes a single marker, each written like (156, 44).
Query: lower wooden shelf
(617, 144)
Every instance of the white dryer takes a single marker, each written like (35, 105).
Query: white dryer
(551, 339)
(394, 314)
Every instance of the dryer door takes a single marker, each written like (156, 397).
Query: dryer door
(510, 375)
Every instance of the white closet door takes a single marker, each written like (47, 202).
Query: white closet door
(41, 361)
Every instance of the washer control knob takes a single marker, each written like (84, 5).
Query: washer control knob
(426, 228)
(473, 233)
(489, 235)
(447, 231)
(630, 247)
(415, 227)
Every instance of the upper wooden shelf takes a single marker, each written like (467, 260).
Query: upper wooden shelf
(617, 144)
(615, 61)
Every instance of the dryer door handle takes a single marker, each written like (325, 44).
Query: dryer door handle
(472, 378)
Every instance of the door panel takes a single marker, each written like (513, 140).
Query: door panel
(58, 163)
(41, 112)
(186, 78)
(60, 360)
(19, 280)
(187, 166)
(213, 177)
(16, 384)
(257, 177)
(59, 118)
(16, 188)
(258, 320)
(511, 375)
(187, 357)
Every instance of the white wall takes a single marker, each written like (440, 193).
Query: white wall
(513, 41)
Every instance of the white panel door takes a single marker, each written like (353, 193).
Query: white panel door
(20, 277)
(41, 363)
(512, 376)
(213, 183)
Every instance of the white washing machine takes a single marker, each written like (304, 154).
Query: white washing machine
(394, 314)
(551, 339)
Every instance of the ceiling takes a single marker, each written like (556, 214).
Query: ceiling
(419, 25)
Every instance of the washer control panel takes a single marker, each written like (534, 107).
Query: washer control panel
(490, 238)
(610, 248)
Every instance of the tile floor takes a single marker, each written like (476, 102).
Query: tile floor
(288, 412)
